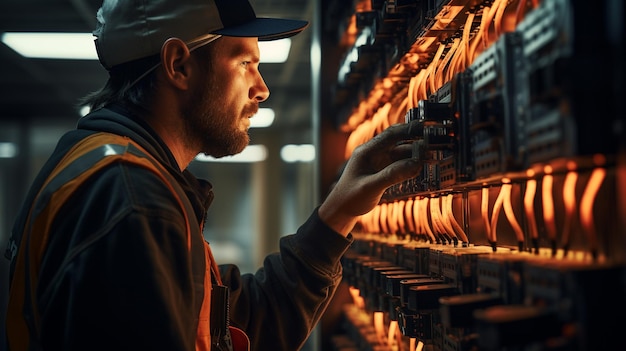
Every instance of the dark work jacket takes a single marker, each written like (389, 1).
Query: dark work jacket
(117, 273)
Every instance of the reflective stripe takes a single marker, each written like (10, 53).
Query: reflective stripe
(73, 170)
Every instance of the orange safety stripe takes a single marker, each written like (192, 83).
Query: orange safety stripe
(203, 336)
(114, 148)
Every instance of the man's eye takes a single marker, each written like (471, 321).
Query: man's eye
(245, 63)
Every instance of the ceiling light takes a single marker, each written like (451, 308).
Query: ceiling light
(252, 153)
(80, 46)
(275, 51)
(297, 153)
(8, 150)
(84, 110)
(77, 46)
(263, 118)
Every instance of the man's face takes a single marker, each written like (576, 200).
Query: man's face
(224, 97)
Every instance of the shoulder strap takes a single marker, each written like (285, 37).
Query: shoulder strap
(86, 158)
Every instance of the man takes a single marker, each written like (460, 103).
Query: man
(108, 252)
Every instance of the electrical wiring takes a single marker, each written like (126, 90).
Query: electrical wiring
(434, 219)
(587, 205)
(411, 92)
(467, 29)
(445, 63)
(507, 188)
(435, 213)
(497, 207)
(426, 225)
(520, 11)
(529, 207)
(548, 206)
(381, 118)
(488, 22)
(357, 136)
(479, 37)
(379, 326)
(432, 67)
(384, 228)
(445, 219)
(457, 227)
(484, 210)
(408, 212)
(502, 5)
(398, 215)
(392, 218)
(392, 334)
(419, 91)
(569, 200)
(400, 112)
(376, 219)
(417, 217)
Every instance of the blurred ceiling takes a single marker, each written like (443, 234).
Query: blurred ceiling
(35, 89)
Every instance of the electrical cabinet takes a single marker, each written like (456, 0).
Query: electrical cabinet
(513, 236)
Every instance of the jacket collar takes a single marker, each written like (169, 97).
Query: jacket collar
(117, 119)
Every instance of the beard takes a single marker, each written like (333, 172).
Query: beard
(211, 126)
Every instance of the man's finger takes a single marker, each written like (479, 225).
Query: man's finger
(394, 134)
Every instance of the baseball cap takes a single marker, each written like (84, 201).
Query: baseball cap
(128, 30)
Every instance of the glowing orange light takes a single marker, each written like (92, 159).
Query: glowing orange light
(417, 215)
(510, 214)
(425, 224)
(435, 215)
(496, 213)
(376, 219)
(384, 228)
(357, 298)
(571, 165)
(599, 159)
(529, 200)
(408, 211)
(458, 229)
(400, 210)
(587, 201)
(569, 199)
(387, 83)
(484, 209)
(391, 337)
(391, 225)
(445, 217)
(548, 203)
(379, 326)
(420, 345)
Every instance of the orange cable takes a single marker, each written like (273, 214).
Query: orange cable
(484, 209)
(529, 196)
(586, 207)
(453, 221)
(497, 206)
(569, 200)
(510, 214)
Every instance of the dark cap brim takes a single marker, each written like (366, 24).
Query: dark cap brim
(265, 28)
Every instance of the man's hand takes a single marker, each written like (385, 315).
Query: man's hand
(374, 166)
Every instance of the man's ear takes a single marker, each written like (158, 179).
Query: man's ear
(175, 58)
